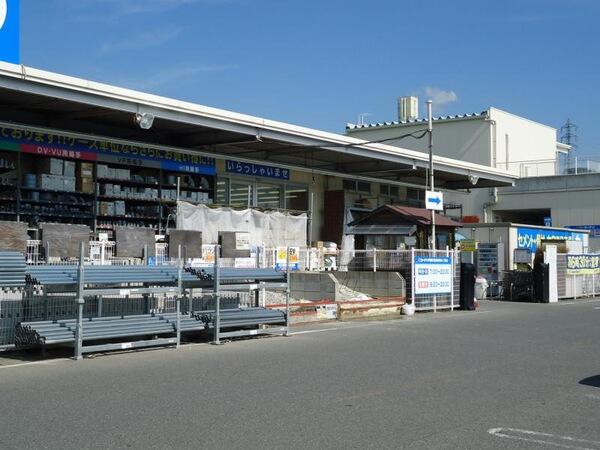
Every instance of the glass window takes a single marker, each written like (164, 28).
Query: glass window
(296, 198)
(394, 192)
(222, 190)
(268, 196)
(362, 186)
(241, 194)
(349, 185)
(384, 189)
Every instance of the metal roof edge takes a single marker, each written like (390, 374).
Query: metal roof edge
(320, 137)
(350, 127)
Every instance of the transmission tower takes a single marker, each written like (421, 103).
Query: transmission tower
(568, 134)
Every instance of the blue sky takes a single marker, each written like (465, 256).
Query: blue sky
(321, 63)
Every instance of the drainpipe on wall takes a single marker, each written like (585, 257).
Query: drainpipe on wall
(494, 201)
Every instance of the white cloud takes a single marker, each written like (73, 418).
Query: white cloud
(439, 96)
(158, 79)
(121, 8)
(142, 41)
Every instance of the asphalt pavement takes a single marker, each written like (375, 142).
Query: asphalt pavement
(511, 375)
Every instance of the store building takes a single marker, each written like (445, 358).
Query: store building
(554, 188)
(493, 138)
(75, 151)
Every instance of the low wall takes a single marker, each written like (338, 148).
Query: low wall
(374, 284)
(314, 286)
(340, 286)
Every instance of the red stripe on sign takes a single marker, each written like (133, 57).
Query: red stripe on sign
(56, 152)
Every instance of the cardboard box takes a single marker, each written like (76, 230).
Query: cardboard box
(103, 171)
(85, 170)
(50, 182)
(69, 168)
(50, 166)
(69, 183)
(106, 208)
(85, 184)
(120, 208)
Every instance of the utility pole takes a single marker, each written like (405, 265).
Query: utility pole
(431, 182)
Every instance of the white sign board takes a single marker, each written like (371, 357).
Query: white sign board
(434, 200)
(432, 274)
(242, 241)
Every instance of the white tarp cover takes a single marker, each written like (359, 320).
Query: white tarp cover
(272, 229)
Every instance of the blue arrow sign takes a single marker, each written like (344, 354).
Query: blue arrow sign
(434, 200)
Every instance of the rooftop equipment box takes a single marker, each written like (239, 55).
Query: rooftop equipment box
(234, 244)
(63, 240)
(190, 241)
(131, 241)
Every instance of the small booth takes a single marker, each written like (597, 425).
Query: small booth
(504, 252)
(395, 227)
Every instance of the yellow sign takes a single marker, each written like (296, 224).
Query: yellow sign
(468, 245)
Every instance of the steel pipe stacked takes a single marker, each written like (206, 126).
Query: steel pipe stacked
(67, 275)
(12, 270)
(242, 317)
(63, 331)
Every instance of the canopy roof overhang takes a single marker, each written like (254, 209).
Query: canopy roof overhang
(51, 101)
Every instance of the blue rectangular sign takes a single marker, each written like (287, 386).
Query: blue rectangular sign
(593, 229)
(531, 237)
(256, 170)
(9, 31)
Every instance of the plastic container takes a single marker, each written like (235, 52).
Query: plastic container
(481, 287)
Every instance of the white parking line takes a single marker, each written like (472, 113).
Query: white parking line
(553, 440)
(33, 363)
(323, 330)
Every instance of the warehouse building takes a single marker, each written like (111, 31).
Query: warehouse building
(553, 189)
(75, 151)
(493, 138)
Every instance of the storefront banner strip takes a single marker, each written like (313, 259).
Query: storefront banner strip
(593, 229)
(588, 264)
(55, 152)
(531, 237)
(49, 144)
(257, 170)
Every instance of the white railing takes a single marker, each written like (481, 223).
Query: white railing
(542, 168)
(33, 255)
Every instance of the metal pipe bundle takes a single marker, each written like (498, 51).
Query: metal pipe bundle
(12, 269)
(67, 275)
(242, 317)
(63, 331)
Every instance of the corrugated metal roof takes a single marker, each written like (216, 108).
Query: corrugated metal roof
(396, 230)
(420, 216)
(353, 126)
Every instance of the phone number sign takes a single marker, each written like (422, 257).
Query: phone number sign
(432, 274)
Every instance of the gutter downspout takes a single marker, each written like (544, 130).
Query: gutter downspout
(494, 163)
(494, 201)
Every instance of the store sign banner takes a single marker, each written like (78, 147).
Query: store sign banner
(532, 237)
(593, 229)
(432, 274)
(256, 170)
(80, 148)
(9, 31)
(588, 264)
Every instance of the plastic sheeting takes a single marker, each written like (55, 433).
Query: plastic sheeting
(272, 229)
